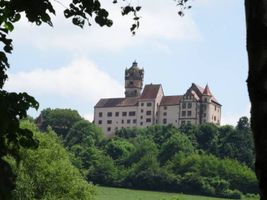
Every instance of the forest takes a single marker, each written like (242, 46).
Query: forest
(73, 155)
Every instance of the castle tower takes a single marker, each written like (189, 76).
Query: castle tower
(207, 92)
(133, 81)
(206, 100)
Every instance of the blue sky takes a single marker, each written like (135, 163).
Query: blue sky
(69, 67)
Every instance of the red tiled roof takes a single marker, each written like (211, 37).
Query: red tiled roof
(117, 102)
(207, 91)
(200, 91)
(170, 100)
(150, 91)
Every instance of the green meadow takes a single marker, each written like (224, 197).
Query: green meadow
(107, 193)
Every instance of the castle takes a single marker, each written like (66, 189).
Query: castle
(148, 107)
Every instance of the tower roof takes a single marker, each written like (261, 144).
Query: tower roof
(134, 66)
(207, 91)
(199, 91)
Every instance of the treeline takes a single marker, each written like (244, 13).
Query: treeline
(206, 159)
(47, 172)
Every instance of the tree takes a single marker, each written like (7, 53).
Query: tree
(243, 124)
(47, 173)
(143, 147)
(119, 149)
(60, 120)
(177, 142)
(14, 106)
(207, 136)
(81, 11)
(256, 20)
(84, 133)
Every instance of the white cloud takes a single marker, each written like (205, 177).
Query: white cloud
(82, 80)
(156, 24)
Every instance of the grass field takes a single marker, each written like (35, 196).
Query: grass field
(105, 193)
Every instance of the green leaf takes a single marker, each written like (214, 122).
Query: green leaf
(138, 8)
(9, 26)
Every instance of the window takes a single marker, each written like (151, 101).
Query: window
(142, 104)
(132, 113)
(214, 118)
(141, 117)
(109, 122)
(204, 114)
(184, 105)
(189, 105)
(165, 107)
(142, 110)
(100, 114)
(148, 112)
(117, 114)
(183, 122)
(165, 113)
(164, 121)
(148, 104)
(99, 121)
(183, 113)
(122, 121)
(188, 122)
(124, 114)
(189, 113)
(148, 119)
(134, 121)
(128, 121)
(109, 114)
(141, 123)
(108, 129)
(215, 108)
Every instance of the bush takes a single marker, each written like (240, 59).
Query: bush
(47, 173)
(232, 194)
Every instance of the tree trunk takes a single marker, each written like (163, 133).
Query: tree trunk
(256, 19)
